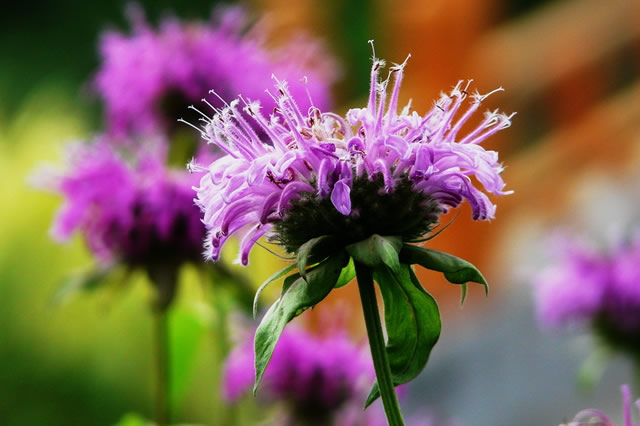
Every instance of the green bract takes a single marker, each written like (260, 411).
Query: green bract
(411, 315)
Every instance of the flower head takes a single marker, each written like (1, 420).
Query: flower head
(319, 380)
(376, 170)
(311, 373)
(148, 78)
(595, 286)
(137, 212)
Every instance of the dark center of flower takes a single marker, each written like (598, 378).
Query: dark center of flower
(403, 212)
(623, 338)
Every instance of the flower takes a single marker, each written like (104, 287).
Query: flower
(593, 286)
(373, 171)
(308, 371)
(591, 416)
(320, 380)
(137, 212)
(147, 79)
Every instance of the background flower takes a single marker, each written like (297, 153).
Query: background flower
(147, 79)
(317, 380)
(137, 211)
(597, 286)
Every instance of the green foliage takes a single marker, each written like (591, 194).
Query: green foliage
(316, 248)
(347, 275)
(412, 320)
(297, 296)
(377, 250)
(84, 281)
(281, 273)
(455, 270)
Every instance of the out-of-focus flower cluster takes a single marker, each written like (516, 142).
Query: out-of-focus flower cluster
(317, 380)
(586, 284)
(148, 78)
(373, 171)
(138, 212)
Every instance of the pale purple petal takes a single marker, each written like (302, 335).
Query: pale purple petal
(340, 197)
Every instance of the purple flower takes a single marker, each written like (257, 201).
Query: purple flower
(315, 376)
(588, 285)
(148, 79)
(376, 170)
(136, 212)
(598, 418)
(319, 380)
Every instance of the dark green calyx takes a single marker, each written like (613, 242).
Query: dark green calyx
(404, 213)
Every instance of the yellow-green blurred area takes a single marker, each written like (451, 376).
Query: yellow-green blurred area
(571, 71)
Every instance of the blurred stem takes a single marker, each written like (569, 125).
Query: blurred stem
(161, 337)
(164, 277)
(376, 342)
(227, 411)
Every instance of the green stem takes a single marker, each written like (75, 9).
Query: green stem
(161, 331)
(377, 344)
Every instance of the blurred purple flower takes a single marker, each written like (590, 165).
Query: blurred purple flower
(588, 285)
(137, 212)
(591, 417)
(319, 380)
(147, 79)
(354, 161)
(322, 373)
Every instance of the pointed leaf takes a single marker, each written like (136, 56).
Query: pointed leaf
(455, 270)
(281, 273)
(463, 293)
(376, 250)
(297, 296)
(87, 281)
(347, 275)
(315, 248)
(412, 321)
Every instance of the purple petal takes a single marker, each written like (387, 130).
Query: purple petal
(340, 197)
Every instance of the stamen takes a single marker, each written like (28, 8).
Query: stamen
(182, 120)
(207, 118)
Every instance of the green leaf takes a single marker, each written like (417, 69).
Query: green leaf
(316, 249)
(455, 270)
(282, 272)
(412, 321)
(463, 293)
(297, 296)
(376, 250)
(347, 275)
(86, 281)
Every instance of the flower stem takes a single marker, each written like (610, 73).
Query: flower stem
(377, 344)
(161, 409)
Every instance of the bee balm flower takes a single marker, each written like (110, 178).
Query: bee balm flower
(135, 212)
(598, 287)
(149, 77)
(376, 170)
(320, 380)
